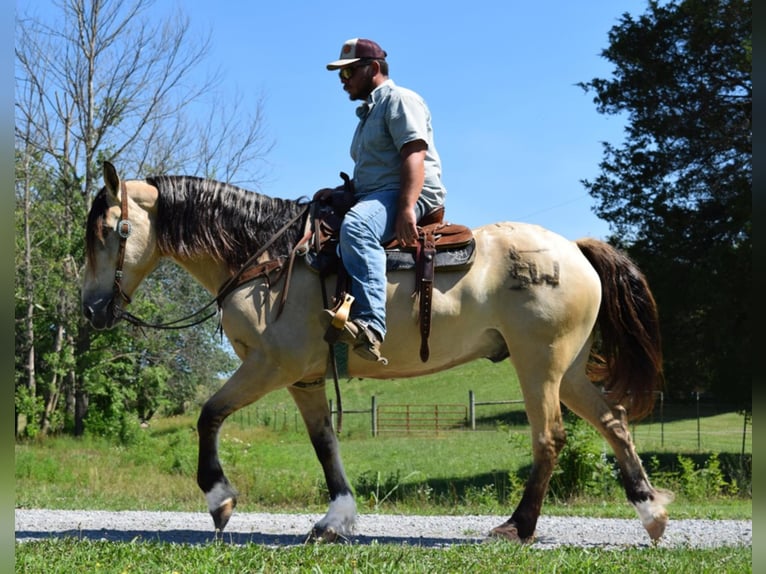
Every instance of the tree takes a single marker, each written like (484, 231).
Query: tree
(677, 193)
(101, 80)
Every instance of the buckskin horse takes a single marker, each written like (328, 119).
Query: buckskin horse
(576, 319)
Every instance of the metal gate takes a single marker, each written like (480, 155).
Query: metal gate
(423, 419)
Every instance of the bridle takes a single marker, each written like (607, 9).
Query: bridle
(124, 229)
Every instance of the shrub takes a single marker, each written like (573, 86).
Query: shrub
(583, 467)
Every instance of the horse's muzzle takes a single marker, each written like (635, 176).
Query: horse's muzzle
(101, 313)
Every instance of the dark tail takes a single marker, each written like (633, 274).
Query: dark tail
(629, 360)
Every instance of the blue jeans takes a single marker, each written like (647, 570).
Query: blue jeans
(366, 226)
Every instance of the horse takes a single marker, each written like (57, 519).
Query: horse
(576, 319)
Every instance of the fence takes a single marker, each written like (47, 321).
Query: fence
(412, 419)
(473, 403)
(685, 425)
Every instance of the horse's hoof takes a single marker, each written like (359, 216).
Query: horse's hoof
(654, 516)
(509, 531)
(325, 536)
(656, 528)
(222, 514)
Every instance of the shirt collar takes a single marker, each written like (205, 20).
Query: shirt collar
(381, 91)
(377, 94)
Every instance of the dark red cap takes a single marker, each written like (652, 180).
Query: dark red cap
(356, 49)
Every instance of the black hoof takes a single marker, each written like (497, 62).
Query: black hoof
(324, 536)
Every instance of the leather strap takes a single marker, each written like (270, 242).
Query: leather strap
(124, 228)
(424, 285)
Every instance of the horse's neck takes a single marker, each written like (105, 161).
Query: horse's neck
(207, 271)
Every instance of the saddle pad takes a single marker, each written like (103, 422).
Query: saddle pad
(447, 259)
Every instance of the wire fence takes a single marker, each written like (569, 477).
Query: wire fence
(694, 425)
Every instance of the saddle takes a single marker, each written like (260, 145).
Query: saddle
(441, 246)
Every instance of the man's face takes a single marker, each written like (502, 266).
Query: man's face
(357, 80)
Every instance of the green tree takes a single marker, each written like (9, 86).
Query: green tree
(95, 80)
(677, 192)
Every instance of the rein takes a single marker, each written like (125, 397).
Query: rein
(124, 229)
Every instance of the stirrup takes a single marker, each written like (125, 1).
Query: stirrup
(342, 311)
(339, 319)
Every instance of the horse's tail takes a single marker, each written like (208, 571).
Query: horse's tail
(629, 360)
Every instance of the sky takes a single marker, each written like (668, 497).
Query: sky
(516, 135)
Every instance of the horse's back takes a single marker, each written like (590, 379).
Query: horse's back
(530, 258)
(528, 287)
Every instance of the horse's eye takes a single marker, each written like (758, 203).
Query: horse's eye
(104, 229)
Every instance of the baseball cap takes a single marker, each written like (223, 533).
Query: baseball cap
(356, 49)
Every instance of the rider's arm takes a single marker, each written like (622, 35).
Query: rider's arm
(412, 177)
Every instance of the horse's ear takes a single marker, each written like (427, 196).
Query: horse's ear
(111, 180)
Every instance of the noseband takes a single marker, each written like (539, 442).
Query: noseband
(124, 228)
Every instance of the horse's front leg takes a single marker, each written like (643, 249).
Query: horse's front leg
(221, 496)
(315, 410)
(248, 384)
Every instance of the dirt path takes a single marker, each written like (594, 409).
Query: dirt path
(431, 531)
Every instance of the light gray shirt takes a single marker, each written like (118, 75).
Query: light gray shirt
(391, 117)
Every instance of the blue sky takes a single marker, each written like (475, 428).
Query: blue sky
(514, 132)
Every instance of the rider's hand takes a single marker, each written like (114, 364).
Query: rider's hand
(406, 226)
(323, 194)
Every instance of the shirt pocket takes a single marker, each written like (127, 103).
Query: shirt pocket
(375, 134)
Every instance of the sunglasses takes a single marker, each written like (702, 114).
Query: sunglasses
(348, 73)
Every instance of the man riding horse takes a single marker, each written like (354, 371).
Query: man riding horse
(396, 181)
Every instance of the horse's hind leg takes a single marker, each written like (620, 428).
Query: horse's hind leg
(586, 400)
(548, 436)
(315, 410)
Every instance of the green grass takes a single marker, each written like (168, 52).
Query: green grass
(274, 467)
(672, 428)
(489, 381)
(454, 472)
(67, 556)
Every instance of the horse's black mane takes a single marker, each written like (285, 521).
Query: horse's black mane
(197, 215)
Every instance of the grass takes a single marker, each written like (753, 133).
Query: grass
(455, 472)
(66, 556)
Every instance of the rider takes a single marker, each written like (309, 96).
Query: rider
(397, 180)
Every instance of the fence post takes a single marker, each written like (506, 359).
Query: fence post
(332, 418)
(698, 421)
(744, 435)
(472, 409)
(662, 419)
(374, 415)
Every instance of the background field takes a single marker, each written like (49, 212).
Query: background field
(267, 456)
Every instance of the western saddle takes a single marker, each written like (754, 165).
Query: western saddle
(440, 246)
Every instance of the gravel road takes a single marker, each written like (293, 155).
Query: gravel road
(431, 531)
